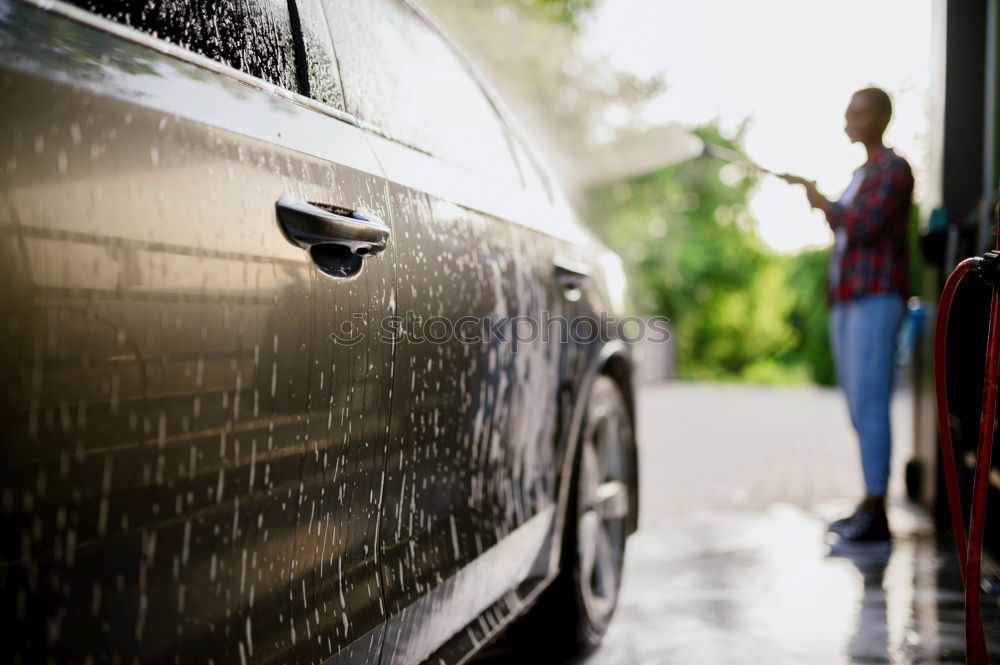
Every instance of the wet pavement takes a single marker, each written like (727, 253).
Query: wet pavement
(730, 564)
(760, 587)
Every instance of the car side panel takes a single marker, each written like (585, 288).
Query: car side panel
(177, 483)
(470, 475)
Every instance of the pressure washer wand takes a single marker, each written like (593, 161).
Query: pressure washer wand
(733, 157)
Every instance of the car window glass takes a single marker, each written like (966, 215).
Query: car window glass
(253, 36)
(321, 60)
(403, 78)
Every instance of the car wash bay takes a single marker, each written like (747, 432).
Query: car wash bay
(730, 565)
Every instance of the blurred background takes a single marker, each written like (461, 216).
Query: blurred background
(614, 92)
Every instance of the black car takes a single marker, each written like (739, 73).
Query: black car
(279, 384)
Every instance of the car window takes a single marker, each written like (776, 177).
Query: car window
(321, 61)
(402, 77)
(253, 36)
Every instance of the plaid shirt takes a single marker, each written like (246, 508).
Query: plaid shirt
(875, 257)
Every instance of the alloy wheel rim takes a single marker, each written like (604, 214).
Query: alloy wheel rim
(603, 508)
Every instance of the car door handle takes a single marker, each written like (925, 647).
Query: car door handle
(337, 239)
(309, 224)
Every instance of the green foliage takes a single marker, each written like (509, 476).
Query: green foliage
(738, 310)
(568, 11)
(809, 316)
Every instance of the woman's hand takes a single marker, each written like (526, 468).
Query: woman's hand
(816, 200)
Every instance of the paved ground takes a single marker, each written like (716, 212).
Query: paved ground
(730, 565)
(732, 446)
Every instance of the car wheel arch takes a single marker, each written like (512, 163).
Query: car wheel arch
(614, 361)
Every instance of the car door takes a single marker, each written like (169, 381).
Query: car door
(470, 472)
(191, 461)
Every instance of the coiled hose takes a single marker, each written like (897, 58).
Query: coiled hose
(969, 548)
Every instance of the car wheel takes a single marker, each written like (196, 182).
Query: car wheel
(573, 614)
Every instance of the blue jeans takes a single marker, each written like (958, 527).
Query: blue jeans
(863, 334)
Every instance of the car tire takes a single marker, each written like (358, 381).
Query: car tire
(573, 613)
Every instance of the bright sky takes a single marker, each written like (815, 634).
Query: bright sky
(789, 67)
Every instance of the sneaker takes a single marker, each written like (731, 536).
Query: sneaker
(866, 528)
(837, 525)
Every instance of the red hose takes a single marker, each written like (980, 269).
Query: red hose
(969, 550)
(944, 424)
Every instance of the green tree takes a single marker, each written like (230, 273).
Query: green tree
(807, 284)
(738, 310)
(568, 11)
